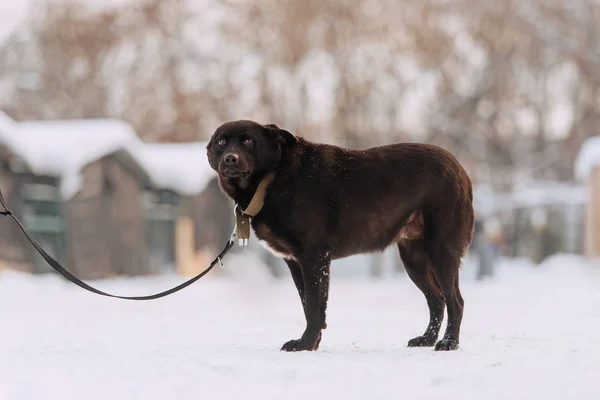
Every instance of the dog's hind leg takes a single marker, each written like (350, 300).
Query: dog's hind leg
(446, 264)
(448, 232)
(418, 267)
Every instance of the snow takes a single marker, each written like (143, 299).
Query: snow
(529, 330)
(62, 148)
(587, 158)
(182, 167)
(487, 201)
(542, 193)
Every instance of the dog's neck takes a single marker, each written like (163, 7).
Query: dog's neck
(243, 191)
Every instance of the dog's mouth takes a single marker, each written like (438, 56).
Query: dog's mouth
(233, 173)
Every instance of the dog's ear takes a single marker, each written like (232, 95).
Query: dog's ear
(280, 136)
(208, 154)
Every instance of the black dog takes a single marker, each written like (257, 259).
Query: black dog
(327, 202)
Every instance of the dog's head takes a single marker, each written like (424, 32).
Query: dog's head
(239, 149)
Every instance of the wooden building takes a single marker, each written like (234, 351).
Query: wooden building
(587, 170)
(104, 203)
(188, 219)
(535, 220)
(76, 186)
(14, 250)
(546, 218)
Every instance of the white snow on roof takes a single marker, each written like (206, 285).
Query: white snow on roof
(487, 201)
(587, 158)
(181, 167)
(64, 148)
(547, 193)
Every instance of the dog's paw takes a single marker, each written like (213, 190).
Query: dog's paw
(446, 344)
(301, 345)
(422, 341)
(297, 345)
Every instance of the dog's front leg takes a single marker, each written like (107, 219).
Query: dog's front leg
(315, 270)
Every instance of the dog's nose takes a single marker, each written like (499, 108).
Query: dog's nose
(231, 159)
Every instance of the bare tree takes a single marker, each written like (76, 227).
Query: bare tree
(132, 62)
(510, 87)
(56, 66)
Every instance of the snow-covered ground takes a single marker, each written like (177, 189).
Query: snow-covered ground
(530, 332)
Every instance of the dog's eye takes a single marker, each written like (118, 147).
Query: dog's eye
(222, 142)
(249, 142)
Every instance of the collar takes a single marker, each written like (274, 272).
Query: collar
(256, 204)
(258, 200)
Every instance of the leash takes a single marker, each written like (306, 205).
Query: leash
(64, 272)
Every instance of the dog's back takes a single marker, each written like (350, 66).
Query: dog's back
(361, 200)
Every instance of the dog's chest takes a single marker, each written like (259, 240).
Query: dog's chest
(271, 241)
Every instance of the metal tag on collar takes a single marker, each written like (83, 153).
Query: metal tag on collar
(242, 227)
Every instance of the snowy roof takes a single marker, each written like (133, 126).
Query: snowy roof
(546, 193)
(486, 201)
(64, 148)
(181, 167)
(587, 158)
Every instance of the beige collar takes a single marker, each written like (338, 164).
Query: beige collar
(256, 204)
(258, 200)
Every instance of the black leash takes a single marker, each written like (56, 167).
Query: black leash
(59, 268)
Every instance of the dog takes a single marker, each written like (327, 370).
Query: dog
(322, 202)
